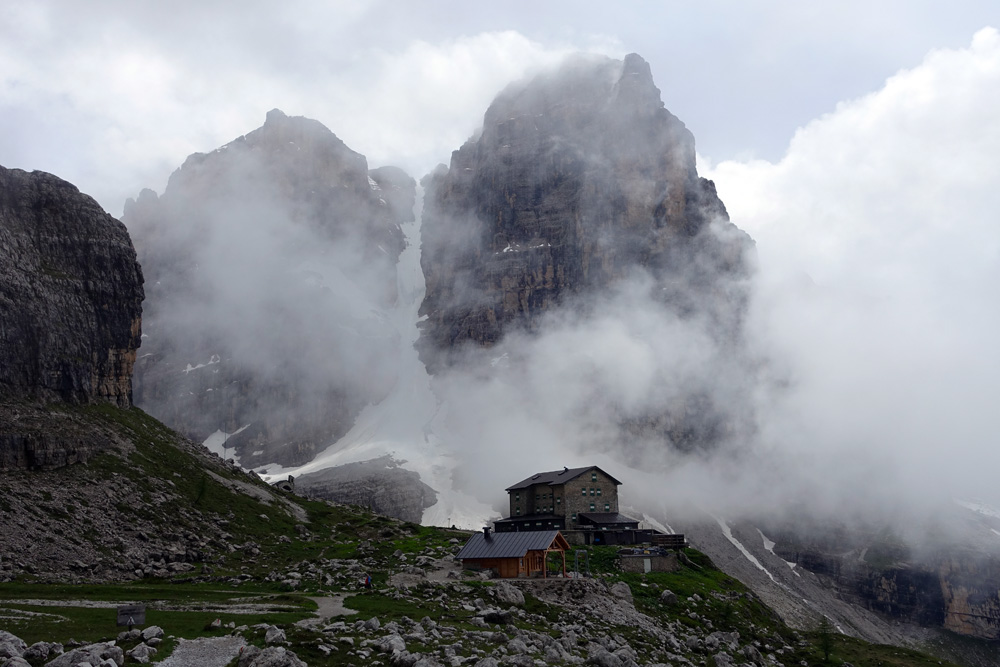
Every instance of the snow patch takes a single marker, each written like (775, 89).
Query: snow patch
(216, 443)
(214, 359)
(769, 547)
(743, 550)
(979, 508)
(662, 527)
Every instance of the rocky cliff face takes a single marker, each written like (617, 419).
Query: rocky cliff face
(70, 313)
(579, 180)
(379, 485)
(269, 262)
(70, 294)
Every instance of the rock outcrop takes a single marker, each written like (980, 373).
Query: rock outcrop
(380, 485)
(70, 294)
(270, 262)
(579, 180)
(579, 177)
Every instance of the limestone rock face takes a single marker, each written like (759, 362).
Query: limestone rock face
(70, 294)
(579, 182)
(379, 484)
(579, 177)
(270, 262)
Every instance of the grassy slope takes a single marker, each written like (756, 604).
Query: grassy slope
(265, 541)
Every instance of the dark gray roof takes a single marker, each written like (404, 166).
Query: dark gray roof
(556, 477)
(530, 517)
(607, 517)
(507, 545)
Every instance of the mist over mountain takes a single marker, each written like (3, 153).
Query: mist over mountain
(269, 262)
(574, 256)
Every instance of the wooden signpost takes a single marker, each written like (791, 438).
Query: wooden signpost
(132, 614)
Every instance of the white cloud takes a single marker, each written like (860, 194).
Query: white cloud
(120, 105)
(889, 205)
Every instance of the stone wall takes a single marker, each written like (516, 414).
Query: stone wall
(575, 502)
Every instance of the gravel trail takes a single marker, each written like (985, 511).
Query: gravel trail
(205, 652)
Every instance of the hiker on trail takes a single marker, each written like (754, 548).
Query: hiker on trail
(368, 581)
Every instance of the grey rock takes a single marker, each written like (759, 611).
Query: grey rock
(16, 661)
(40, 651)
(508, 594)
(11, 645)
(391, 643)
(487, 662)
(272, 656)
(722, 659)
(129, 636)
(372, 624)
(152, 632)
(379, 484)
(603, 658)
(95, 654)
(621, 591)
(668, 597)
(292, 170)
(517, 646)
(274, 635)
(141, 653)
(71, 303)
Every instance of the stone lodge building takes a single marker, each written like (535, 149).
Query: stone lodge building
(567, 499)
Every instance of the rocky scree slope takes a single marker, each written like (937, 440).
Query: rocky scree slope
(71, 296)
(424, 610)
(579, 179)
(268, 262)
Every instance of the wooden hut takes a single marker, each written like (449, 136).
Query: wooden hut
(513, 554)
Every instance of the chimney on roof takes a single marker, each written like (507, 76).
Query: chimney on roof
(486, 532)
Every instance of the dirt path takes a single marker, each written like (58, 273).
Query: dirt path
(205, 652)
(329, 607)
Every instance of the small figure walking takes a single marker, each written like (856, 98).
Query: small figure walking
(368, 581)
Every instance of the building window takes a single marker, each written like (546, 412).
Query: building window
(518, 512)
(591, 507)
(591, 490)
(517, 496)
(593, 477)
(538, 523)
(598, 491)
(558, 501)
(574, 516)
(583, 491)
(607, 507)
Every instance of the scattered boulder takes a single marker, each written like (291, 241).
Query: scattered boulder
(273, 656)
(274, 635)
(622, 591)
(508, 594)
(152, 632)
(40, 651)
(95, 654)
(11, 646)
(668, 597)
(142, 653)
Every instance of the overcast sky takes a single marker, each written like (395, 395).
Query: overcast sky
(857, 142)
(114, 95)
